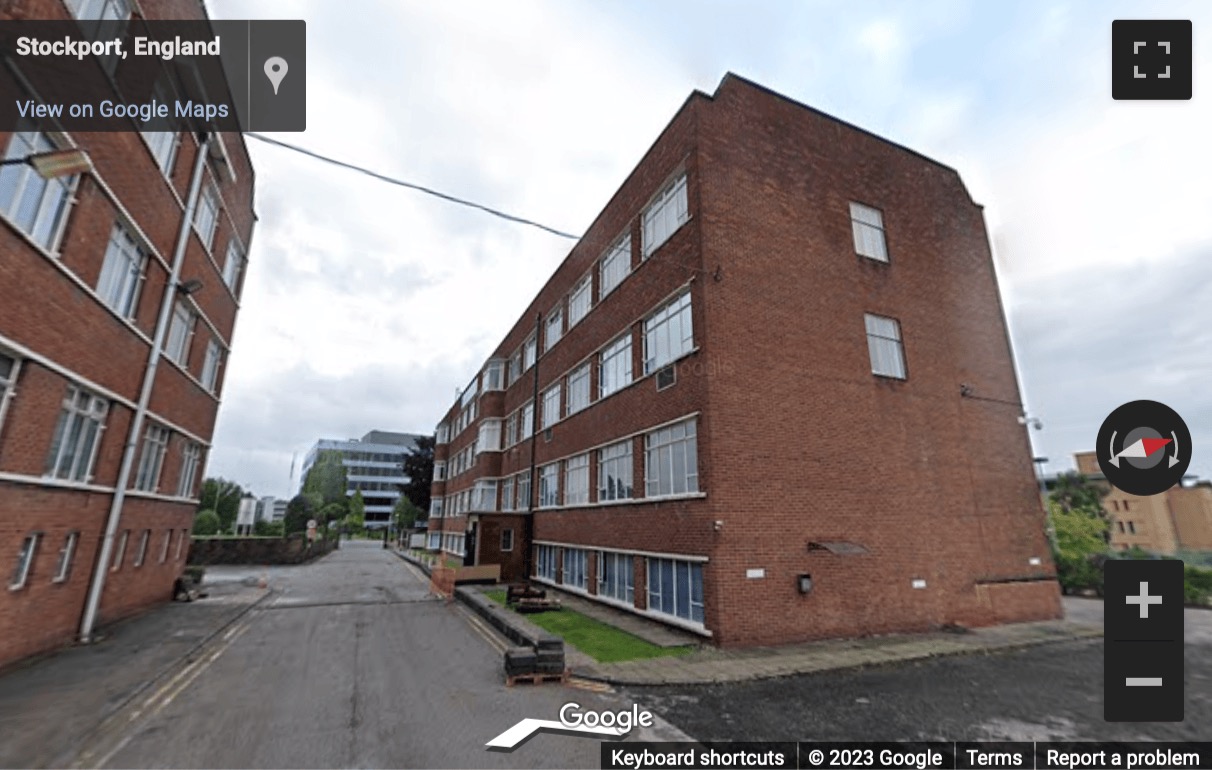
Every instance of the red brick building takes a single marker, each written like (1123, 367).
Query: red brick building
(86, 277)
(769, 396)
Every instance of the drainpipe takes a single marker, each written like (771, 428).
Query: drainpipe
(101, 568)
(528, 562)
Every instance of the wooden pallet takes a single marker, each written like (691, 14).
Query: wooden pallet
(562, 678)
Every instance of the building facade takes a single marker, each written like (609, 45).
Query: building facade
(769, 396)
(374, 465)
(86, 281)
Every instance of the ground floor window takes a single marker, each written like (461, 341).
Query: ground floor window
(507, 540)
(435, 541)
(676, 588)
(576, 570)
(545, 562)
(616, 578)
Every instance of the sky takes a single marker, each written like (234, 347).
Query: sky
(368, 306)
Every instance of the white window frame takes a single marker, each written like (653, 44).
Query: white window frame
(25, 561)
(886, 347)
(233, 265)
(168, 537)
(617, 464)
(524, 492)
(484, 498)
(99, 10)
(163, 148)
(668, 333)
(867, 224)
(662, 448)
(551, 404)
(141, 553)
(494, 376)
(54, 197)
(435, 507)
(122, 272)
(489, 436)
(665, 215)
(442, 435)
(206, 217)
(580, 300)
(8, 382)
(527, 426)
(530, 353)
(211, 364)
(120, 551)
(621, 589)
(615, 266)
(549, 485)
(66, 555)
(180, 333)
(506, 543)
(151, 458)
(77, 436)
(439, 470)
(545, 562)
(515, 366)
(191, 457)
(576, 480)
(180, 544)
(614, 366)
(507, 499)
(658, 589)
(578, 390)
(553, 328)
(576, 569)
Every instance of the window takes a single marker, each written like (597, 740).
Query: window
(551, 405)
(99, 10)
(435, 507)
(511, 429)
(120, 551)
(155, 445)
(191, 454)
(77, 435)
(578, 389)
(1121, 527)
(494, 375)
(168, 536)
(443, 434)
(211, 364)
(672, 466)
(666, 214)
(121, 273)
(668, 334)
(868, 225)
(515, 367)
(616, 576)
(489, 439)
(435, 541)
(576, 573)
(576, 480)
(507, 503)
(206, 218)
(8, 376)
(35, 206)
(555, 329)
(142, 552)
(524, 500)
(615, 266)
(549, 486)
(1131, 528)
(233, 265)
(530, 352)
(614, 472)
(25, 560)
(179, 334)
(64, 568)
(163, 146)
(580, 300)
(507, 540)
(528, 420)
(545, 562)
(180, 544)
(439, 470)
(614, 371)
(675, 588)
(485, 497)
(885, 346)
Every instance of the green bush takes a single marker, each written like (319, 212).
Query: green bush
(1197, 585)
(206, 523)
(1078, 572)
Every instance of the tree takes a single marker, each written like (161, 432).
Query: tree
(357, 506)
(333, 513)
(418, 467)
(327, 477)
(405, 514)
(206, 523)
(268, 528)
(1074, 493)
(298, 511)
(223, 497)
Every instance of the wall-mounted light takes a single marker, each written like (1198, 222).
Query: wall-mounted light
(717, 525)
(189, 287)
(805, 583)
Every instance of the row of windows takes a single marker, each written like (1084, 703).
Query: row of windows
(675, 586)
(668, 211)
(23, 570)
(670, 469)
(77, 438)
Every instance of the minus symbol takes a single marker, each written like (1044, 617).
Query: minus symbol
(1144, 681)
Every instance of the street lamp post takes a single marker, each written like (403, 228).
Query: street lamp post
(1034, 422)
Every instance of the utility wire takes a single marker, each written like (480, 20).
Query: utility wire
(417, 187)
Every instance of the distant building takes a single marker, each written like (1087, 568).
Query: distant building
(1180, 519)
(271, 508)
(246, 514)
(375, 466)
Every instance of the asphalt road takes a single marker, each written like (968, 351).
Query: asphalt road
(350, 664)
(1053, 692)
